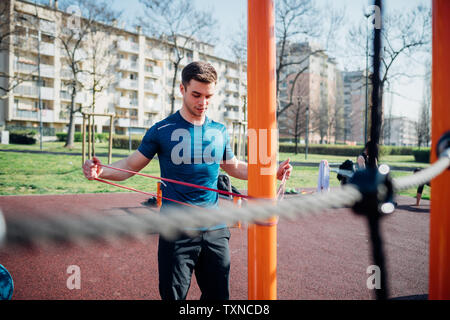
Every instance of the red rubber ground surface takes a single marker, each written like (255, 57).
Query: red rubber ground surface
(319, 257)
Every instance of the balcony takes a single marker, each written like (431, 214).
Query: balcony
(64, 95)
(153, 71)
(231, 115)
(154, 54)
(231, 101)
(128, 65)
(123, 122)
(47, 27)
(128, 46)
(128, 84)
(152, 87)
(33, 91)
(151, 107)
(66, 74)
(125, 102)
(45, 70)
(81, 97)
(26, 114)
(47, 93)
(47, 115)
(31, 44)
(231, 87)
(126, 122)
(47, 48)
(232, 73)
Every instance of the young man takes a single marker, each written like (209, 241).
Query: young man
(190, 148)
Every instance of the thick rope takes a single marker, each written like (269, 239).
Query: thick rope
(34, 230)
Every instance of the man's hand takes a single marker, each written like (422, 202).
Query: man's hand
(92, 168)
(284, 167)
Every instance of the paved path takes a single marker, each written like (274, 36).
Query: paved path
(321, 257)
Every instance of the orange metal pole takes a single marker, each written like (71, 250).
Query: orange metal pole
(262, 239)
(439, 282)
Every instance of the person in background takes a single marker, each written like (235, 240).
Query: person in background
(419, 189)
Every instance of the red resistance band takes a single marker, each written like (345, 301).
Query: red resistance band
(147, 193)
(182, 183)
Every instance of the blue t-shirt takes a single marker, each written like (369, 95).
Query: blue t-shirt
(190, 154)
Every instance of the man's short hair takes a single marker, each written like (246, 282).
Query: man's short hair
(200, 71)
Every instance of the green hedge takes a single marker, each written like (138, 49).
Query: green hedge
(122, 141)
(422, 155)
(343, 150)
(22, 137)
(78, 136)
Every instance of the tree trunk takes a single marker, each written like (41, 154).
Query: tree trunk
(174, 81)
(71, 131)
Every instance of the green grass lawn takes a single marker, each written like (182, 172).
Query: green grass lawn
(29, 173)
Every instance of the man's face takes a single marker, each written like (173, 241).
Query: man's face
(196, 97)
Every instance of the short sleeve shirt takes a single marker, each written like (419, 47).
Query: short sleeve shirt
(190, 154)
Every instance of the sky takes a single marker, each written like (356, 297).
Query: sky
(231, 14)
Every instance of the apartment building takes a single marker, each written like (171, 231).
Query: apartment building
(355, 107)
(318, 88)
(137, 76)
(400, 131)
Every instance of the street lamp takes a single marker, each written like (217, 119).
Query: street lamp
(367, 77)
(307, 132)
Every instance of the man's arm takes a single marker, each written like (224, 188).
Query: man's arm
(361, 162)
(239, 169)
(235, 168)
(135, 162)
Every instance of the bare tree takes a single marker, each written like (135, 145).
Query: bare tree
(238, 43)
(101, 61)
(179, 25)
(405, 34)
(83, 18)
(424, 124)
(294, 18)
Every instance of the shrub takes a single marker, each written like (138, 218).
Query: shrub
(122, 142)
(78, 136)
(338, 150)
(343, 150)
(422, 155)
(22, 137)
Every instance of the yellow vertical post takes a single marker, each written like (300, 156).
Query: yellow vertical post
(262, 238)
(110, 139)
(89, 136)
(83, 140)
(439, 268)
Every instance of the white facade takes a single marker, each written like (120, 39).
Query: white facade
(138, 92)
(400, 131)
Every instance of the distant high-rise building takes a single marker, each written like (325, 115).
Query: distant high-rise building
(318, 87)
(355, 106)
(400, 131)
